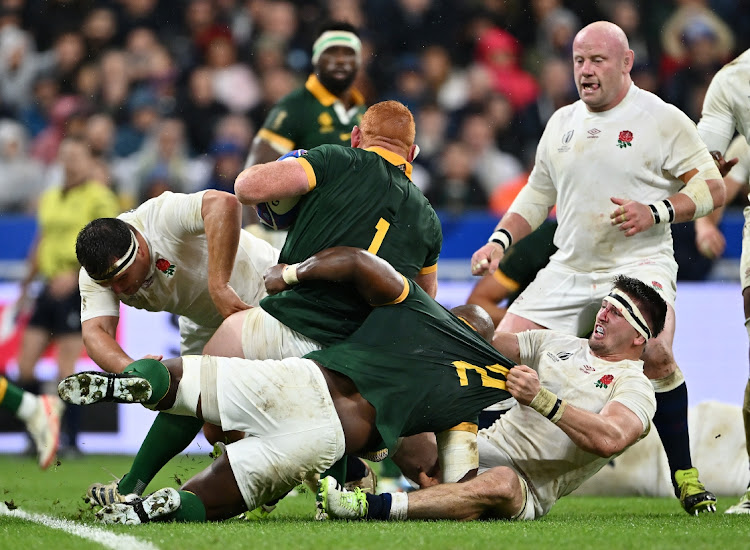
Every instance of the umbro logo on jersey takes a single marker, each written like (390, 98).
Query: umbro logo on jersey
(594, 133)
(563, 355)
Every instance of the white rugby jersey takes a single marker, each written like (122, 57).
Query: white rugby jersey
(549, 460)
(739, 149)
(178, 281)
(635, 151)
(727, 104)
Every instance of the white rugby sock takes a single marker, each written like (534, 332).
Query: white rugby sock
(27, 407)
(399, 506)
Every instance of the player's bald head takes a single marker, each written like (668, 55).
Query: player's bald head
(477, 318)
(606, 34)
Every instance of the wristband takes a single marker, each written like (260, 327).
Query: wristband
(662, 211)
(501, 237)
(549, 405)
(289, 274)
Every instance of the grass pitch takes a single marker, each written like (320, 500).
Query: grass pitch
(577, 523)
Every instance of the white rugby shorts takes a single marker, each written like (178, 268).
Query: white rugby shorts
(286, 409)
(265, 337)
(491, 456)
(568, 301)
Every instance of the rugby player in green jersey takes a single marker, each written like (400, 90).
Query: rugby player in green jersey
(412, 367)
(353, 196)
(325, 108)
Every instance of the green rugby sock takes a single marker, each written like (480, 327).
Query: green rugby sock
(156, 373)
(169, 435)
(191, 508)
(10, 395)
(337, 470)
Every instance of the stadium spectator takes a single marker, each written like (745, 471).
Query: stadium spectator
(115, 91)
(20, 66)
(63, 211)
(492, 167)
(22, 176)
(144, 119)
(691, 20)
(235, 85)
(499, 52)
(686, 88)
(164, 154)
(200, 110)
(456, 189)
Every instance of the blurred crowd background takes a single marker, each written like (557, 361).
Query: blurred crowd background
(169, 93)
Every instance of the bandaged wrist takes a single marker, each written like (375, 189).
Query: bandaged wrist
(549, 405)
(662, 211)
(289, 274)
(501, 237)
(698, 190)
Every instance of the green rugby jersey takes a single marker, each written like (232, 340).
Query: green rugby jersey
(312, 116)
(360, 198)
(421, 367)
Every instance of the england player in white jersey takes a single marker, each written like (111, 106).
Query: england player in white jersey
(621, 165)
(185, 254)
(711, 243)
(726, 106)
(181, 254)
(583, 402)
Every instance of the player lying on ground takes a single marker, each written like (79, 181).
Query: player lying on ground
(583, 402)
(412, 367)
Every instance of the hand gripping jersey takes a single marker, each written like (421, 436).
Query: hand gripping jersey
(420, 366)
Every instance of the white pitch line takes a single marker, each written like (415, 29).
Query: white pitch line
(95, 534)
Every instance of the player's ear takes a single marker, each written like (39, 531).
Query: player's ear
(413, 152)
(356, 136)
(629, 60)
(639, 340)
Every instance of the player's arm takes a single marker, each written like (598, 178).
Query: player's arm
(528, 211)
(222, 220)
(428, 282)
(704, 191)
(604, 434)
(488, 293)
(708, 237)
(99, 339)
(273, 180)
(263, 151)
(507, 344)
(717, 123)
(374, 278)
